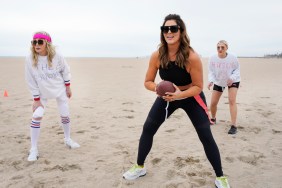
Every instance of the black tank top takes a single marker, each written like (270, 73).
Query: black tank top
(175, 74)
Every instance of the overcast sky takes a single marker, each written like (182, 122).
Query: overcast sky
(131, 28)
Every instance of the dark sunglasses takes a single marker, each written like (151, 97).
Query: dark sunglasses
(39, 42)
(173, 29)
(220, 47)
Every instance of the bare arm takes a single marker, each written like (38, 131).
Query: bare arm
(152, 72)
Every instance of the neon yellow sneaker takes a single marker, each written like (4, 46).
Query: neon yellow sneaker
(134, 172)
(221, 182)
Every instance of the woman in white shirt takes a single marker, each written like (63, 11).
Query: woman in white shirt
(48, 77)
(224, 71)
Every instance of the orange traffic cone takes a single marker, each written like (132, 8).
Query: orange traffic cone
(5, 93)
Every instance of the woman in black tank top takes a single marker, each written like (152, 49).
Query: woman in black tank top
(177, 75)
(177, 62)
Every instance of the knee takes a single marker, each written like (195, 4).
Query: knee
(232, 101)
(213, 104)
(38, 113)
(150, 127)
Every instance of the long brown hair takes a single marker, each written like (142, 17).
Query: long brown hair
(51, 52)
(182, 54)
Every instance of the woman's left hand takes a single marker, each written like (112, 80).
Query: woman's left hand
(68, 91)
(229, 82)
(172, 96)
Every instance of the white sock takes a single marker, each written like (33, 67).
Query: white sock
(66, 127)
(34, 133)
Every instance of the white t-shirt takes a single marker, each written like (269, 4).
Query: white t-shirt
(222, 69)
(47, 82)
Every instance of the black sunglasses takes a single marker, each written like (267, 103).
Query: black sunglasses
(39, 42)
(221, 47)
(173, 29)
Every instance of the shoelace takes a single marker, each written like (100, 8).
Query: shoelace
(132, 169)
(223, 181)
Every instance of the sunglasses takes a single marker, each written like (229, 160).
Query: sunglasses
(39, 42)
(173, 29)
(221, 47)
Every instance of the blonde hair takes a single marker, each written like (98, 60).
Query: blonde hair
(51, 52)
(223, 42)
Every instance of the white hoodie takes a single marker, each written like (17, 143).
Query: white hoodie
(47, 82)
(222, 69)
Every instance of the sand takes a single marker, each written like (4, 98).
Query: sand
(108, 109)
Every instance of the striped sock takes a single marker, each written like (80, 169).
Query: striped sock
(66, 126)
(34, 133)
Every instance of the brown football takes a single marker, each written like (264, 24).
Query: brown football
(163, 87)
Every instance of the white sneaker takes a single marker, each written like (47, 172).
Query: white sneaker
(71, 144)
(33, 155)
(221, 182)
(134, 172)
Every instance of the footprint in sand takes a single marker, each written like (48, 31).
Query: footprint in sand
(170, 130)
(95, 127)
(81, 131)
(17, 177)
(229, 159)
(46, 162)
(124, 103)
(63, 168)
(255, 130)
(251, 159)
(170, 174)
(125, 110)
(156, 161)
(88, 107)
(181, 162)
(16, 164)
(276, 131)
(266, 114)
(128, 117)
(60, 132)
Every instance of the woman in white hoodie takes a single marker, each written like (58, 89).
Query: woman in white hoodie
(48, 77)
(224, 71)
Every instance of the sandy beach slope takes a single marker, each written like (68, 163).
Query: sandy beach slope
(108, 109)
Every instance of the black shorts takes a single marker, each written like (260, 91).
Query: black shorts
(221, 89)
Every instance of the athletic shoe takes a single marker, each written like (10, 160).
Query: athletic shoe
(213, 121)
(221, 182)
(71, 144)
(33, 155)
(232, 130)
(134, 172)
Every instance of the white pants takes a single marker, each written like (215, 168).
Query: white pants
(62, 103)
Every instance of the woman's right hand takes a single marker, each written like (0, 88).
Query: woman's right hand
(209, 85)
(36, 104)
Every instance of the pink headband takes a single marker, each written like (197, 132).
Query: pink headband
(42, 36)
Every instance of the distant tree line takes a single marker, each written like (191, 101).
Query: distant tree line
(278, 55)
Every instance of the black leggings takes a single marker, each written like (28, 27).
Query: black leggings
(194, 107)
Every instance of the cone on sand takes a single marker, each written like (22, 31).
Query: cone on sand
(5, 93)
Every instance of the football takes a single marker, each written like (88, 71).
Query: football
(163, 87)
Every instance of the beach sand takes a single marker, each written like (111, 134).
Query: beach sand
(108, 109)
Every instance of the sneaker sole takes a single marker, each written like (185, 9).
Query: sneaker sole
(37, 157)
(136, 177)
(71, 147)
